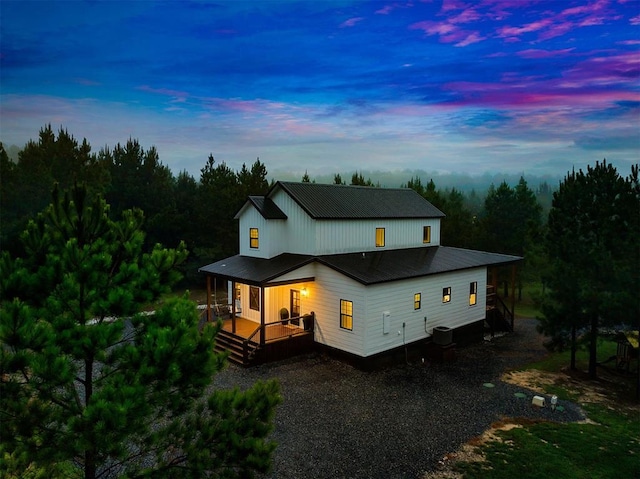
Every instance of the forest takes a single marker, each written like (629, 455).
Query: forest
(200, 211)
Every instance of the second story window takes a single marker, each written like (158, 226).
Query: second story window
(426, 234)
(254, 240)
(446, 294)
(417, 301)
(379, 237)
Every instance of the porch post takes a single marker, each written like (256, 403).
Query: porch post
(262, 306)
(233, 306)
(513, 293)
(208, 298)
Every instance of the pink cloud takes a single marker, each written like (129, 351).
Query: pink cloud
(351, 22)
(471, 38)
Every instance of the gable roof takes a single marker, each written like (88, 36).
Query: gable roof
(324, 202)
(267, 208)
(368, 268)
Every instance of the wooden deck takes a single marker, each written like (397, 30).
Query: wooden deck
(282, 340)
(246, 327)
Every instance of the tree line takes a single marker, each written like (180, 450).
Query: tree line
(200, 211)
(505, 219)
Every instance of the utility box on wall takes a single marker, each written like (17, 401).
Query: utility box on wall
(386, 322)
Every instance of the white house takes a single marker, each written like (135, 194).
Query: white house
(362, 267)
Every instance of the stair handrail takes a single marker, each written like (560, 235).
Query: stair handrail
(506, 312)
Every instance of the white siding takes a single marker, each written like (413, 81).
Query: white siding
(324, 299)
(397, 299)
(251, 218)
(349, 236)
(301, 234)
(297, 234)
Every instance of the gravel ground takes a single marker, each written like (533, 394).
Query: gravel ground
(340, 422)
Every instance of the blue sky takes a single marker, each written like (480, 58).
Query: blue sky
(532, 86)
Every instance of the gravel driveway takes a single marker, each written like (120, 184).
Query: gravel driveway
(340, 422)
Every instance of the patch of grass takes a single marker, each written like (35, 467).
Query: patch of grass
(607, 347)
(527, 307)
(610, 448)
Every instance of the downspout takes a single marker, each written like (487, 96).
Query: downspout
(262, 306)
(233, 306)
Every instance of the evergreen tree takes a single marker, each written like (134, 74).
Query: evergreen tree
(83, 387)
(591, 244)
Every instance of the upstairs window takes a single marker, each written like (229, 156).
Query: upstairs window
(417, 301)
(254, 241)
(473, 293)
(346, 314)
(446, 294)
(426, 234)
(379, 237)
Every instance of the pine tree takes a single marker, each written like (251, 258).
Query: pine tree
(88, 383)
(590, 244)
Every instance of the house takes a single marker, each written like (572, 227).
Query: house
(357, 270)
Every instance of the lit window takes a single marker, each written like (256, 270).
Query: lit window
(446, 294)
(379, 237)
(426, 234)
(473, 293)
(346, 314)
(254, 241)
(417, 300)
(254, 298)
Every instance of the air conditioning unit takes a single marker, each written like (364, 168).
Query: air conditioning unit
(442, 335)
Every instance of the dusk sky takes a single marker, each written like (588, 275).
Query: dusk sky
(461, 86)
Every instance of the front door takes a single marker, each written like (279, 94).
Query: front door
(295, 303)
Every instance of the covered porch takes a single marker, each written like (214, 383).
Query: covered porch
(264, 311)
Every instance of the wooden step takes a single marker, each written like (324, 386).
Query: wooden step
(234, 345)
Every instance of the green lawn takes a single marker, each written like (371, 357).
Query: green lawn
(607, 447)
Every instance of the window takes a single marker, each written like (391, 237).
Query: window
(446, 294)
(254, 298)
(254, 241)
(295, 303)
(473, 293)
(417, 300)
(379, 237)
(346, 314)
(426, 234)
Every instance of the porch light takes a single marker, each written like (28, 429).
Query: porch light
(305, 293)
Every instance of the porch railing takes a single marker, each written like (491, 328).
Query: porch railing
(278, 331)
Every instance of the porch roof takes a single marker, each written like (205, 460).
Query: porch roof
(366, 268)
(256, 271)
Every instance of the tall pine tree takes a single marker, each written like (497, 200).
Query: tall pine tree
(90, 384)
(590, 243)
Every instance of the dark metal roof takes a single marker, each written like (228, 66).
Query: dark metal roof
(392, 265)
(267, 208)
(322, 201)
(370, 268)
(256, 271)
